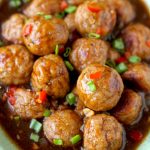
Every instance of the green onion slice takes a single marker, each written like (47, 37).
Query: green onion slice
(35, 125)
(34, 137)
(134, 59)
(58, 142)
(121, 68)
(47, 113)
(69, 65)
(91, 86)
(57, 49)
(75, 139)
(111, 63)
(47, 17)
(40, 13)
(60, 15)
(17, 118)
(15, 3)
(1, 43)
(70, 9)
(67, 52)
(71, 99)
(118, 44)
(94, 35)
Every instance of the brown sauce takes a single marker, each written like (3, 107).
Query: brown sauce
(20, 132)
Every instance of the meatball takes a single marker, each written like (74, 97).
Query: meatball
(16, 64)
(99, 87)
(136, 37)
(44, 6)
(23, 103)
(41, 35)
(138, 75)
(88, 51)
(102, 132)
(50, 74)
(70, 21)
(129, 107)
(75, 2)
(12, 28)
(62, 125)
(87, 21)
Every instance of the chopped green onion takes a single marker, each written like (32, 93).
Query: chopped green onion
(40, 13)
(67, 52)
(111, 63)
(15, 3)
(26, 1)
(121, 68)
(70, 9)
(75, 139)
(35, 125)
(118, 44)
(1, 43)
(134, 59)
(71, 99)
(94, 35)
(57, 49)
(34, 137)
(60, 15)
(91, 86)
(69, 65)
(47, 113)
(17, 118)
(58, 142)
(47, 17)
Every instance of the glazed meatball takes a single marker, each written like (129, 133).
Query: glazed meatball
(44, 6)
(129, 107)
(50, 74)
(101, 22)
(23, 103)
(70, 21)
(135, 37)
(138, 75)
(16, 64)
(12, 28)
(102, 132)
(44, 34)
(62, 125)
(99, 87)
(88, 51)
(75, 2)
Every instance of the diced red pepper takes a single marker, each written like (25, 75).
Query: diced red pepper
(42, 97)
(100, 31)
(94, 7)
(63, 5)
(61, 49)
(27, 30)
(96, 75)
(148, 43)
(10, 95)
(136, 135)
(121, 59)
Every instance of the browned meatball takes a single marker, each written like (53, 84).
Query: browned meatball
(12, 28)
(23, 103)
(138, 74)
(42, 35)
(45, 6)
(99, 87)
(50, 74)
(75, 2)
(102, 132)
(88, 51)
(129, 107)
(102, 21)
(70, 21)
(124, 9)
(135, 37)
(15, 65)
(62, 125)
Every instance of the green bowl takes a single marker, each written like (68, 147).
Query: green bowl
(7, 143)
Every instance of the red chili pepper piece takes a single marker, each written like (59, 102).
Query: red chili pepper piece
(63, 5)
(27, 30)
(100, 31)
(121, 59)
(42, 97)
(61, 49)
(10, 95)
(148, 43)
(94, 7)
(136, 135)
(96, 75)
